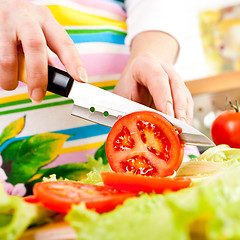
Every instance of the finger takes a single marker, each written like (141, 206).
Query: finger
(180, 94)
(156, 80)
(190, 108)
(60, 43)
(8, 58)
(36, 58)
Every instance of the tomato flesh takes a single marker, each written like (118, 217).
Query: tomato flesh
(144, 143)
(30, 199)
(59, 196)
(138, 165)
(137, 183)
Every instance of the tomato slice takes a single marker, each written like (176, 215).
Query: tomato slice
(60, 195)
(136, 183)
(31, 199)
(144, 143)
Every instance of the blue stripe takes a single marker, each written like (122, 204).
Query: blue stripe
(85, 132)
(75, 133)
(98, 37)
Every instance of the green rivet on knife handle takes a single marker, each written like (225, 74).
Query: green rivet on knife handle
(92, 109)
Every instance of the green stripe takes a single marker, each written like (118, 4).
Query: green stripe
(48, 97)
(86, 31)
(24, 101)
(108, 87)
(36, 107)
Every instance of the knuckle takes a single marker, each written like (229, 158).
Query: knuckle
(7, 62)
(4, 15)
(67, 41)
(35, 43)
(44, 11)
(37, 76)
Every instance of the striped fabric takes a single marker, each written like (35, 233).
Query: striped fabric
(98, 29)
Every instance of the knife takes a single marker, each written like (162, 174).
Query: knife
(103, 107)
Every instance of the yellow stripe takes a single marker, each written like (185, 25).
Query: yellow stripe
(17, 97)
(81, 148)
(67, 16)
(23, 96)
(105, 84)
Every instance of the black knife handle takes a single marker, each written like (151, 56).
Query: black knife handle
(59, 82)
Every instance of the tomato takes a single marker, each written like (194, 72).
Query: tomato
(226, 129)
(60, 195)
(137, 183)
(144, 143)
(31, 199)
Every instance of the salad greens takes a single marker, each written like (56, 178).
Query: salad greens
(94, 168)
(208, 210)
(16, 215)
(212, 206)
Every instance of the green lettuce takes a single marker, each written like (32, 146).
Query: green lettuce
(208, 210)
(221, 153)
(93, 170)
(16, 215)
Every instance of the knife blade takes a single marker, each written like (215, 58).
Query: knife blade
(104, 107)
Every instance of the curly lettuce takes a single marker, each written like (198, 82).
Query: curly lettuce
(16, 215)
(208, 210)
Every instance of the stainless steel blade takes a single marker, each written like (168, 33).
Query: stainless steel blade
(104, 107)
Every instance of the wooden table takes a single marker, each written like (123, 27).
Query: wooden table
(223, 82)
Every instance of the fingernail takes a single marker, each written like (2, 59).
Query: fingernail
(169, 107)
(83, 75)
(37, 95)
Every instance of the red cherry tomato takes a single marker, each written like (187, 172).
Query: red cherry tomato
(137, 183)
(60, 195)
(226, 129)
(144, 143)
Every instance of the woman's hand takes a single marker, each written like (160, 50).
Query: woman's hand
(151, 80)
(30, 29)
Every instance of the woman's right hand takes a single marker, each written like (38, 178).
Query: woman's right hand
(30, 29)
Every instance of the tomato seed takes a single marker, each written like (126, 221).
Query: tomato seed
(123, 140)
(138, 165)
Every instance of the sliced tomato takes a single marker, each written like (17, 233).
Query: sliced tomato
(60, 195)
(31, 199)
(136, 183)
(144, 143)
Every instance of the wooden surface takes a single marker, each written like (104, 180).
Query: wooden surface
(223, 82)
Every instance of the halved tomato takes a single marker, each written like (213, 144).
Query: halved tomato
(144, 143)
(59, 196)
(136, 183)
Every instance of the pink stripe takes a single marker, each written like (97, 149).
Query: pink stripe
(76, 157)
(97, 64)
(100, 4)
(103, 5)
(101, 64)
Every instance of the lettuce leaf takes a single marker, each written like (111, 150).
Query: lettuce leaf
(16, 215)
(93, 169)
(221, 153)
(209, 210)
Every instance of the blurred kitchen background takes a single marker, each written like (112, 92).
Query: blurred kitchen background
(209, 59)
